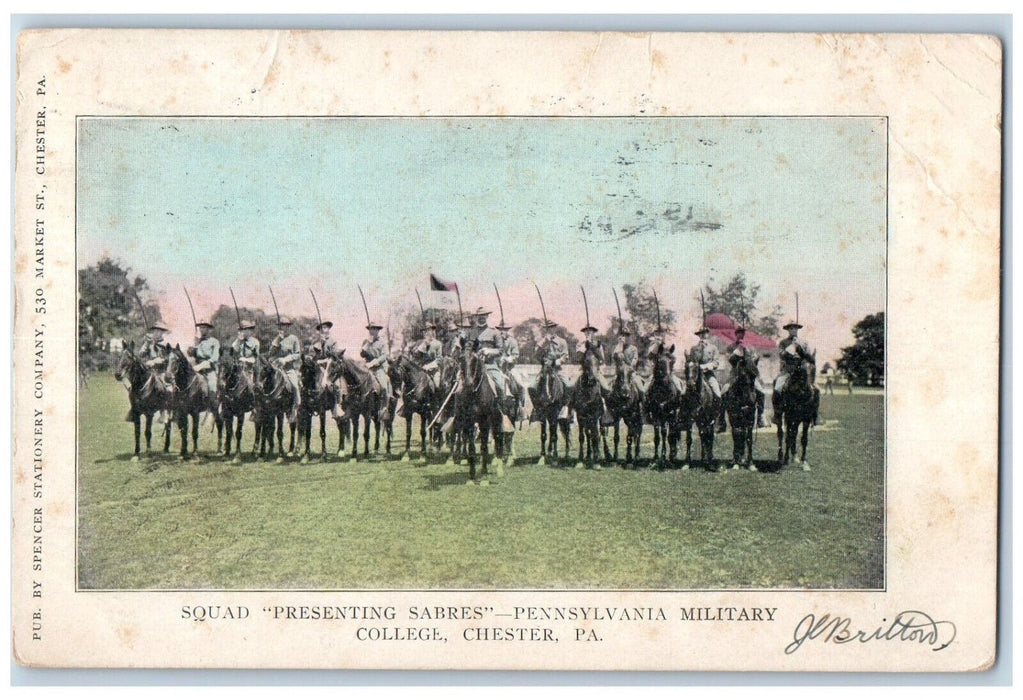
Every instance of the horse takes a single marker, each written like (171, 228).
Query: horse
(700, 407)
(191, 397)
(237, 397)
(796, 406)
(419, 396)
(550, 399)
(479, 407)
(624, 404)
(147, 394)
(320, 396)
(741, 406)
(275, 399)
(366, 400)
(662, 402)
(588, 404)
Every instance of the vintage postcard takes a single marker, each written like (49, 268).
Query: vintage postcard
(469, 350)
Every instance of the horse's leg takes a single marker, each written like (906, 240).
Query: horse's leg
(582, 439)
(781, 438)
(149, 432)
(219, 420)
(366, 419)
(689, 447)
(423, 438)
(278, 428)
(484, 425)
(805, 437)
(323, 434)
(181, 418)
(136, 422)
(167, 429)
(228, 423)
(543, 442)
(409, 417)
(195, 432)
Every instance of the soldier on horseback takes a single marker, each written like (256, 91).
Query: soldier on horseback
(659, 347)
(738, 352)
(626, 350)
(792, 352)
(592, 346)
(325, 347)
(454, 339)
(427, 353)
(154, 353)
(509, 356)
(705, 356)
(490, 345)
(552, 353)
(286, 351)
(206, 353)
(246, 345)
(374, 352)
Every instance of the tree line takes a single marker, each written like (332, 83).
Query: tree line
(107, 309)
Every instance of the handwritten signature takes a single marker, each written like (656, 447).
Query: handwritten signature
(908, 626)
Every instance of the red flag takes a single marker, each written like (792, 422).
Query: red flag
(439, 285)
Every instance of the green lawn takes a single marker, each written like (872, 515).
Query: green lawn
(160, 523)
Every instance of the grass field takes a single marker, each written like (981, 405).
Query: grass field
(160, 523)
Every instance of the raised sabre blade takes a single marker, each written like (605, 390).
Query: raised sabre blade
(364, 306)
(586, 305)
(191, 308)
(542, 307)
(319, 319)
(276, 310)
(237, 313)
(621, 321)
(499, 304)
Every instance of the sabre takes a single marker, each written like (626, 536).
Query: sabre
(585, 303)
(276, 310)
(422, 311)
(364, 307)
(621, 321)
(542, 307)
(441, 409)
(194, 321)
(237, 313)
(703, 309)
(458, 294)
(797, 307)
(142, 308)
(499, 304)
(657, 304)
(319, 319)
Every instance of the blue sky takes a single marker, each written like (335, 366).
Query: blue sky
(796, 203)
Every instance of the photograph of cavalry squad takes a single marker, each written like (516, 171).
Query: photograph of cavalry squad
(640, 352)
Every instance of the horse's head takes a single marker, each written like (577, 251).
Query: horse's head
(590, 363)
(662, 364)
(179, 368)
(127, 362)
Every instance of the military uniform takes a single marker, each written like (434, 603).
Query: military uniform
(207, 359)
(791, 351)
(374, 352)
(490, 343)
(287, 353)
(509, 352)
(740, 352)
(154, 353)
(553, 353)
(427, 352)
(627, 352)
(595, 348)
(324, 348)
(706, 356)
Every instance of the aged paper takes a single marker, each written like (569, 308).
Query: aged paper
(304, 230)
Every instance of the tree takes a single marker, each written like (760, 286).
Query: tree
(737, 299)
(641, 311)
(529, 334)
(863, 362)
(107, 308)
